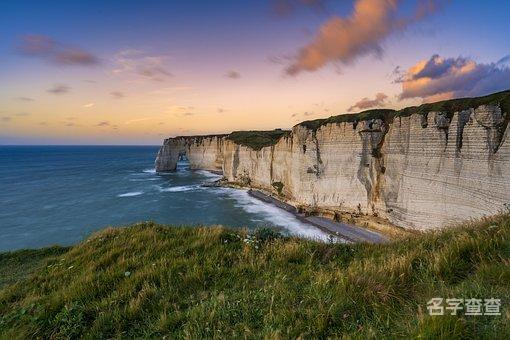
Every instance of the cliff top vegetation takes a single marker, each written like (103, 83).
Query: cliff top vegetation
(257, 139)
(448, 106)
(147, 280)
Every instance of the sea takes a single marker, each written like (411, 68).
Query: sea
(59, 195)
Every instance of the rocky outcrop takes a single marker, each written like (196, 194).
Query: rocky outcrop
(420, 171)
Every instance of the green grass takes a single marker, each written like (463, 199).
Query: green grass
(152, 281)
(257, 139)
(18, 265)
(448, 106)
(349, 118)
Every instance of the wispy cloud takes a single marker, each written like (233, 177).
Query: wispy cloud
(233, 74)
(22, 114)
(5, 119)
(137, 63)
(136, 120)
(25, 99)
(117, 94)
(44, 47)
(367, 103)
(103, 123)
(444, 78)
(286, 7)
(89, 105)
(59, 89)
(179, 109)
(343, 40)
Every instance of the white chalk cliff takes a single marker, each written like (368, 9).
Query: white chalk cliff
(419, 170)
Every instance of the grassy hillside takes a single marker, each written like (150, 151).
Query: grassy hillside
(150, 281)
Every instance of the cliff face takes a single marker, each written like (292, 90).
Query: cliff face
(418, 171)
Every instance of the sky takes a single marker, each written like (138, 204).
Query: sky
(136, 72)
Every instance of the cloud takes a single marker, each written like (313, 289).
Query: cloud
(367, 103)
(5, 119)
(134, 62)
(104, 123)
(59, 89)
(89, 105)
(303, 114)
(117, 94)
(44, 47)
(25, 99)
(221, 110)
(138, 120)
(504, 60)
(69, 124)
(233, 75)
(344, 40)
(286, 7)
(441, 78)
(22, 114)
(280, 60)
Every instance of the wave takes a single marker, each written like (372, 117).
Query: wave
(209, 174)
(150, 171)
(143, 179)
(130, 194)
(275, 215)
(180, 188)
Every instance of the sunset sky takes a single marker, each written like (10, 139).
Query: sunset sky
(135, 72)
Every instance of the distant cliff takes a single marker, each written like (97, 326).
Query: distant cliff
(421, 167)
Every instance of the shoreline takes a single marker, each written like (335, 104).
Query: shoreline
(344, 231)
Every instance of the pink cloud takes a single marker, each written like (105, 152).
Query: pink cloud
(139, 64)
(233, 75)
(46, 48)
(441, 78)
(367, 103)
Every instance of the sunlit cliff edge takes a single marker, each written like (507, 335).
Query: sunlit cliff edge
(421, 167)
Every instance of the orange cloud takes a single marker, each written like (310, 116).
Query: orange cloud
(346, 39)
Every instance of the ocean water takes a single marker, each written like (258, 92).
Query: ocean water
(61, 194)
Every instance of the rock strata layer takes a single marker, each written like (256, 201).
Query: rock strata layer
(419, 171)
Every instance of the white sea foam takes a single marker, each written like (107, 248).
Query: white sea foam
(150, 171)
(180, 188)
(130, 194)
(143, 179)
(275, 215)
(209, 174)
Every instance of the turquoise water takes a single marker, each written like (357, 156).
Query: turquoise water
(60, 194)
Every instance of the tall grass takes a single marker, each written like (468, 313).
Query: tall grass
(148, 280)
